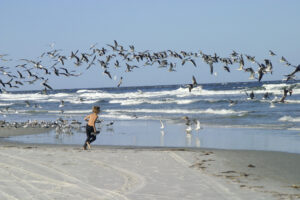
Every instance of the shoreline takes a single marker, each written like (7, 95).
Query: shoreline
(208, 138)
(6, 132)
(6, 143)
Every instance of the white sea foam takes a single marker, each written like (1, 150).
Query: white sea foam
(6, 104)
(292, 101)
(59, 95)
(120, 116)
(275, 86)
(127, 101)
(71, 111)
(289, 119)
(88, 91)
(277, 89)
(150, 101)
(77, 101)
(136, 97)
(20, 97)
(215, 92)
(186, 101)
(181, 111)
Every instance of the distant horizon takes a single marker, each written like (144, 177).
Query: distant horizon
(141, 86)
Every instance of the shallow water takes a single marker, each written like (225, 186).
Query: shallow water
(249, 124)
(148, 133)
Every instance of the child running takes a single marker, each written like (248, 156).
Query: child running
(91, 128)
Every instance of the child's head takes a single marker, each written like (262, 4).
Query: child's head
(96, 109)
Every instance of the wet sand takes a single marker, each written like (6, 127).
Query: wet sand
(8, 132)
(29, 171)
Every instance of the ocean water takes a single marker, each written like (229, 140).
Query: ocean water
(256, 124)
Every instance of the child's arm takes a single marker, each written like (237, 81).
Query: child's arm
(87, 117)
(95, 131)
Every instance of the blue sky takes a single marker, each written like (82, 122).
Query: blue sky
(251, 27)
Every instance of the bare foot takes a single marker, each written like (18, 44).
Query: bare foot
(89, 146)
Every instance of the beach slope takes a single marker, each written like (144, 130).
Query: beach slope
(68, 172)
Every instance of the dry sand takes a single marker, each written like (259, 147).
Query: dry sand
(68, 172)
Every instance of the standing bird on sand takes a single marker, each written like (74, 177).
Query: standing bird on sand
(188, 124)
(162, 126)
(197, 125)
(188, 129)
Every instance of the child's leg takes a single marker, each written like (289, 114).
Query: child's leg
(92, 138)
(88, 137)
(88, 145)
(86, 141)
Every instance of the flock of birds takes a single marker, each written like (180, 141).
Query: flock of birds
(115, 57)
(54, 62)
(191, 124)
(60, 125)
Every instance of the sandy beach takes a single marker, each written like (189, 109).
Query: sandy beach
(107, 172)
(180, 100)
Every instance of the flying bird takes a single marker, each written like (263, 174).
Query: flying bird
(282, 59)
(194, 81)
(107, 73)
(120, 82)
(297, 69)
(251, 71)
(226, 68)
(46, 85)
(272, 53)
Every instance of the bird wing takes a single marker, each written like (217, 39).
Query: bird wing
(211, 67)
(48, 86)
(194, 81)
